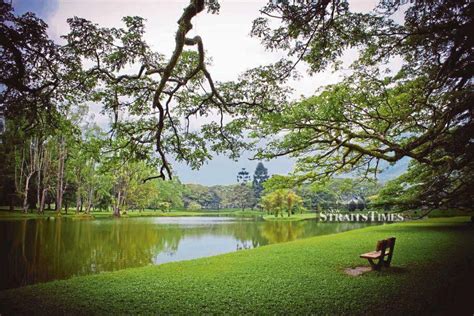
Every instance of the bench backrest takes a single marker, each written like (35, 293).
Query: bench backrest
(381, 245)
(391, 243)
(390, 246)
(388, 243)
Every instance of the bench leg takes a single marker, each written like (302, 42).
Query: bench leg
(387, 262)
(376, 266)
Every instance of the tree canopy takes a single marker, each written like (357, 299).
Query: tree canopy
(422, 111)
(408, 94)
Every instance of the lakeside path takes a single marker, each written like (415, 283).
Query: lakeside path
(432, 273)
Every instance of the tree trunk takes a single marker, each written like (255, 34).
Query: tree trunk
(60, 175)
(89, 200)
(116, 210)
(38, 189)
(42, 201)
(25, 196)
(78, 203)
(117, 204)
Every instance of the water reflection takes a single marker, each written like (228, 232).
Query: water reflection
(34, 251)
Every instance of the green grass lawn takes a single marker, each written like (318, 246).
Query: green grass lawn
(431, 273)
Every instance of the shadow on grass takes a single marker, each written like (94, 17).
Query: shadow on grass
(394, 270)
(366, 270)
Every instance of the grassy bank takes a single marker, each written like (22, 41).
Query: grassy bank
(430, 274)
(8, 215)
(17, 214)
(294, 217)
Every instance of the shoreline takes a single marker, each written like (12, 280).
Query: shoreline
(6, 215)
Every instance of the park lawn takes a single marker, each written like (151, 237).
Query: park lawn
(432, 272)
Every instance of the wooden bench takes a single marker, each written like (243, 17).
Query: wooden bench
(384, 249)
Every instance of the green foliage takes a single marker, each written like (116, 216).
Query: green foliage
(374, 115)
(243, 192)
(164, 206)
(163, 96)
(171, 192)
(35, 72)
(425, 187)
(280, 201)
(333, 193)
(243, 196)
(194, 206)
(422, 111)
(201, 195)
(259, 177)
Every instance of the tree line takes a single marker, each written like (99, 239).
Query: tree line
(79, 166)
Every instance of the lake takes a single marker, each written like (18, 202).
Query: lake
(40, 250)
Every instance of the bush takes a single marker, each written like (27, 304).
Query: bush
(194, 206)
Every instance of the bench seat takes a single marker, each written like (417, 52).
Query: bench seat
(371, 255)
(384, 249)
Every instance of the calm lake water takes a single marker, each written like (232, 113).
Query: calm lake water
(39, 250)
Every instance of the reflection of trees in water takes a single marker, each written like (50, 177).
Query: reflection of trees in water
(276, 232)
(271, 232)
(247, 234)
(41, 250)
(261, 233)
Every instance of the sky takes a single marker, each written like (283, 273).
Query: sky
(227, 42)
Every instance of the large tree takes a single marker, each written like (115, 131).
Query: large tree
(259, 177)
(37, 89)
(423, 110)
(35, 80)
(153, 98)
